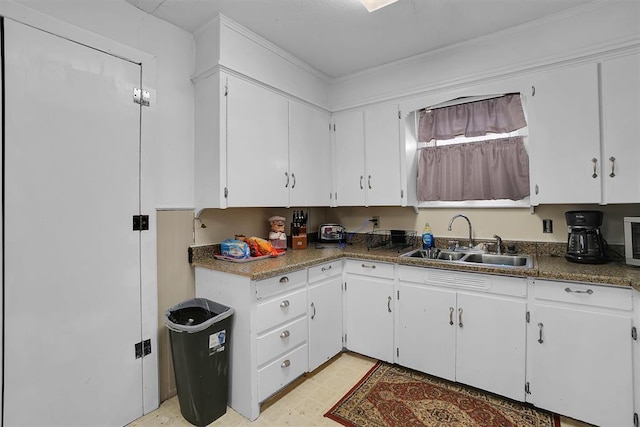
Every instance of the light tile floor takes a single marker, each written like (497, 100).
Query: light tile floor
(303, 404)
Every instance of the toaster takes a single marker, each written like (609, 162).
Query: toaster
(331, 233)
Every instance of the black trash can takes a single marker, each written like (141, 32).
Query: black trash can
(199, 332)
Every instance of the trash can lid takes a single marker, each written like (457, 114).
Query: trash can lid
(195, 315)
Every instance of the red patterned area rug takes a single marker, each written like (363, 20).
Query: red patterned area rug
(393, 396)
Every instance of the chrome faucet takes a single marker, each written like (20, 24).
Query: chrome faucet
(498, 244)
(468, 222)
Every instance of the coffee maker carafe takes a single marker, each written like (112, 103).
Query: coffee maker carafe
(585, 243)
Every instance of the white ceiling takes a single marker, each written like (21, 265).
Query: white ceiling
(339, 37)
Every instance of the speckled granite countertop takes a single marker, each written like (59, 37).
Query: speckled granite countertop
(553, 267)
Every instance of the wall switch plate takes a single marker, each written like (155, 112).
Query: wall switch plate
(547, 226)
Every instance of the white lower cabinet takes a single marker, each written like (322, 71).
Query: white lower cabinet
(369, 308)
(463, 327)
(580, 351)
(325, 312)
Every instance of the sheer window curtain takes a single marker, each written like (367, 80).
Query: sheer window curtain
(487, 170)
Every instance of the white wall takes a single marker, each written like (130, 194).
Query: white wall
(174, 50)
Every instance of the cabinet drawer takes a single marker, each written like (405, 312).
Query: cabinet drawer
(282, 340)
(380, 270)
(583, 293)
(281, 309)
(282, 371)
(281, 283)
(323, 271)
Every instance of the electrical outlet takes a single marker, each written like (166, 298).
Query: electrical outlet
(376, 222)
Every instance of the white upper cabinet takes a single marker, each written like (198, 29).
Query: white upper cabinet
(367, 145)
(257, 146)
(310, 166)
(620, 82)
(564, 135)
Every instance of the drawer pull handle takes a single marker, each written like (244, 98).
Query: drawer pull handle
(284, 303)
(451, 315)
(286, 174)
(326, 268)
(285, 334)
(284, 279)
(313, 316)
(361, 187)
(540, 340)
(369, 182)
(570, 291)
(286, 364)
(389, 304)
(613, 166)
(373, 267)
(595, 167)
(460, 317)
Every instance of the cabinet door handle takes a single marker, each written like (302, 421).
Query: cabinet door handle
(540, 340)
(389, 304)
(595, 167)
(285, 334)
(284, 303)
(373, 267)
(460, 317)
(326, 268)
(313, 316)
(287, 184)
(571, 291)
(284, 279)
(293, 175)
(613, 166)
(369, 182)
(285, 364)
(361, 178)
(451, 315)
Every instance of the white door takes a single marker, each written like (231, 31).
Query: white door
(325, 321)
(564, 136)
(382, 154)
(491, 344)
(257, 146)
(72, 261)
(427, 324)
(309, 156)
(349, 143)
(369, 308)
(581, 364)
(621, 129)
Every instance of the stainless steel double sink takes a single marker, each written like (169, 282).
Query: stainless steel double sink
(472, 257)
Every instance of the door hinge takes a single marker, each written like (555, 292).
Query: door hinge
(636, 422)
(141, 97)
(634, 333)
(140, 222)
(528, 317)
(143, 348)
(226, 192)
(527, 388)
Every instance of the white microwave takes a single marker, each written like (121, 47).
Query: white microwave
(632, 240)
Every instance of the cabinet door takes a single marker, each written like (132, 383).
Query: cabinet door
(325, 321)
(310, 165)
(582, 364)
(382, 155)
(491, 344)
(369, 311)
(349, 148)
(257, 146)
(620, 79)
(564, 136)
(426, 330)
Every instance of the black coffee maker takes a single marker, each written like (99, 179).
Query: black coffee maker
(585, 243)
